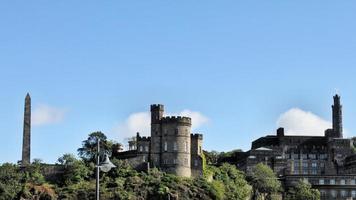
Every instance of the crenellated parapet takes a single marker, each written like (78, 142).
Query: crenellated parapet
(142, 138)
(155, 107)
(177, 119)
(197, 136)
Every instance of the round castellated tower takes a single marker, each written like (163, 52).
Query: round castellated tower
(175, 150)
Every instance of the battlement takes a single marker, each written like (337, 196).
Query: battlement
(177, 119)
(197, 136)
(157, 107)
(142, 138)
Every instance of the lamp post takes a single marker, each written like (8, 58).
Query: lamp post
(104, 166)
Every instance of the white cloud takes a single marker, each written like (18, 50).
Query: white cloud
(136, 122)
(198, 119)
(141, 121)
(299, 122)
(45, 114)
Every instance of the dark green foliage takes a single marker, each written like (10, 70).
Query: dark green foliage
(303, 191)
(26, 183)
(75, 170)
(89, 147)
(264, 181)
(229, 183)
(10, 181)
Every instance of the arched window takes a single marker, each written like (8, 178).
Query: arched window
(165, 146)
(175, 147)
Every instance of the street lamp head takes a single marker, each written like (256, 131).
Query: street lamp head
(106, 165)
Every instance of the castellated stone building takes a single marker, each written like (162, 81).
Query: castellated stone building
(171, 146)
(328, 162)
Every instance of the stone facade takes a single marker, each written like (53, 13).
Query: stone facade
(327, 162)
(171, 146)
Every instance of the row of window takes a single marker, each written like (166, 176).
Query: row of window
(175, 146)
(343, 193)
(177, 162)
(307, 168)
(340, 182)
(141, 147)
(176, 131)
(307, 156)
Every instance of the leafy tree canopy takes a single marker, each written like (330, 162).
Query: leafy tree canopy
(303, 191)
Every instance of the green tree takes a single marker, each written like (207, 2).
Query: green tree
(89, 146)
(230, 181)
(303, 191)
(211, 157)
(34, 173)
(74, 170)
(11, 181)
(264, 181)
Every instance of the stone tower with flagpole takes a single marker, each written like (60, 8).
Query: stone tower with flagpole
(26, 145)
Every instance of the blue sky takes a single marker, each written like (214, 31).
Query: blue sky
(240, 68)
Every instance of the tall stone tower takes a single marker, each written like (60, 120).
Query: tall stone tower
(337, 117)
(157, 111)
(176, 145)
(26, 145)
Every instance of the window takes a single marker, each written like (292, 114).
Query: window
(143, 158)
(343, 193)
(296, 167)
(304, 156)
(165, 161)
(332, 181)
(186, 146)
(342, 182)
(312, 156)
(352, 182)
(305, 171)
(314, 171)
(333, 193)
(146, 148)
(323, 156)
(175, 148)
(314, 165)
(353, 193)
(322, 193)
(321, 182)
(305, 164)
(174, 161)
(200, 150)
(196, 162)
(165, 146)
(141, 148)
(295, 156)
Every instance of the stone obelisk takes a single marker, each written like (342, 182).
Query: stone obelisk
(26, 145)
